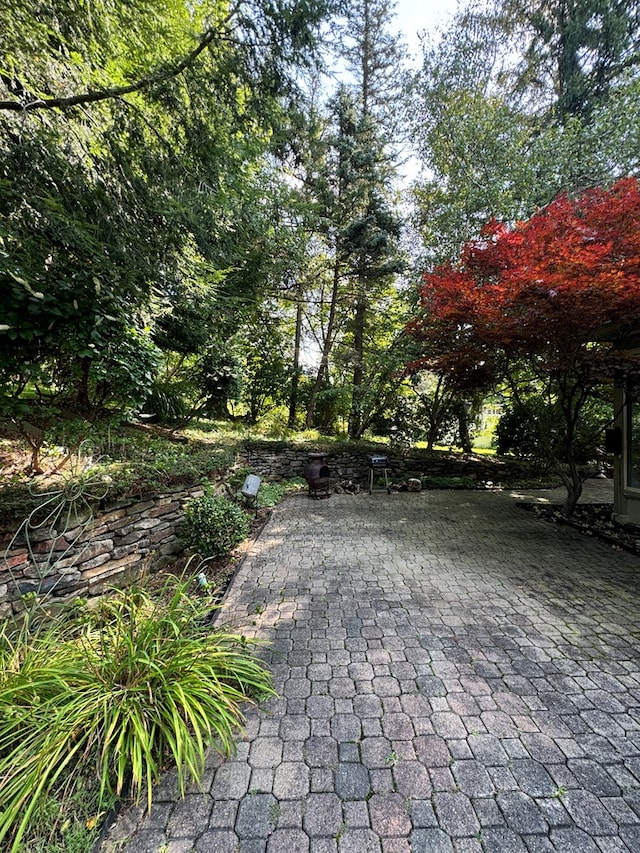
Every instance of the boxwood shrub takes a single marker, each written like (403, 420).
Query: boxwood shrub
(214, 525)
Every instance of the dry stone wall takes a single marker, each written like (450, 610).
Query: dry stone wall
(288, 462)
(116, 546)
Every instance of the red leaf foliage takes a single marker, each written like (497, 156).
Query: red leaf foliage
(549, 286)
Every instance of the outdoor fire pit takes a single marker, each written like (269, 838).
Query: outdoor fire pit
(378, 465)
(318, 476)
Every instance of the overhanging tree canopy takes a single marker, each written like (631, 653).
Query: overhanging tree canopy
(132, 144)
(557, 292)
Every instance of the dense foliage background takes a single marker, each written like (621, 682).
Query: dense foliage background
(225, 210)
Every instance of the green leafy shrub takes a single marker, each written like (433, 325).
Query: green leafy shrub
(214, 525)
(535, 429)
(166, 404)
(137, 682)
(125, 369)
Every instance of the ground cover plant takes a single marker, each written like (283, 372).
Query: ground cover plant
(448, 483)
(122, 689)
(269, 493)
(130, 462)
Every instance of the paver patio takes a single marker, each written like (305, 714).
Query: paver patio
(453, 675)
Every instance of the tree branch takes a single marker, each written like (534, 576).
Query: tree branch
(116, 91)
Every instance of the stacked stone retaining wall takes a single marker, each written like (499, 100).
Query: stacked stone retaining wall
(288, 462)
(115, 546)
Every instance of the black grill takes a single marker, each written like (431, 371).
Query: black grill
(378, 462)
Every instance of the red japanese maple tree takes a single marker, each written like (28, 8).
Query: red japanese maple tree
(558, 292)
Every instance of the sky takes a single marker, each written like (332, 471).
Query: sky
(414, 16)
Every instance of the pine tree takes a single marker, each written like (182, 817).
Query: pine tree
(370, 236)
(574, 50)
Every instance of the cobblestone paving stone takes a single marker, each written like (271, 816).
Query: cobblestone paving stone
(453, 674)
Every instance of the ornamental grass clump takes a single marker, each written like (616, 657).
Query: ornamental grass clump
(214, 525)
(135, 683)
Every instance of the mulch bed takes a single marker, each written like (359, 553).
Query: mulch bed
(592, 520)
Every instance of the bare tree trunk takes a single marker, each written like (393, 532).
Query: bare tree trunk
(355, 415)
(82, 388)
(463, 428)
(572, 480)
(295, 378)
(323, 369)
(435, 411)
